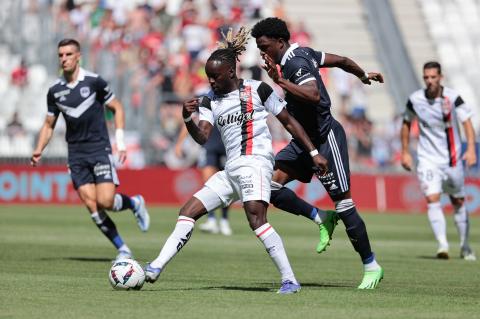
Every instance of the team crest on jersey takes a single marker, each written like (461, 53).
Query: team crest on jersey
(85, 91)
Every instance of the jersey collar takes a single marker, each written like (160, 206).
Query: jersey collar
(292, 47)
(80, 77)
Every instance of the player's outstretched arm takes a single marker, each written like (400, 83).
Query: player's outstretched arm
(470, 155)
(117, 108)
(350, 66)
(406, 160)
(297, 131)
(201, 132)
(44, 136)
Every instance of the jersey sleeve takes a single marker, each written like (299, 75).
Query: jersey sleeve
(464, 111)
(104, 93)
(409, 113)
(52, 109)
(272, 102)
(320, 57)
(297, 70)
(205, 111)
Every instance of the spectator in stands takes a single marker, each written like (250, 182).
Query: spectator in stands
(19, 76)
(15, 127)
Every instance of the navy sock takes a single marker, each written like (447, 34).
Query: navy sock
(286, 200)
(225, 212)
(211, 214)
(108, 228)
(123, 202)
(357, 233)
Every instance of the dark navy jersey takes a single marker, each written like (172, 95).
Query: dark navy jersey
(82, 106)
(300, 65)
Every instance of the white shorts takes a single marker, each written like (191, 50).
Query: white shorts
(247, 178)
(436, 179)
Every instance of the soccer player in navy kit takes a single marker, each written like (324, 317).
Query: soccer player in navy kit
(80, 96)
(308, 101)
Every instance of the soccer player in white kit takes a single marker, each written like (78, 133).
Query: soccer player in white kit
(440, 168)
(239, 110)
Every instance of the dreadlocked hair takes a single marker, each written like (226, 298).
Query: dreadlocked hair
(231, 47)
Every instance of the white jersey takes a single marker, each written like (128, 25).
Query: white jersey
(439, 141)
(241, 118)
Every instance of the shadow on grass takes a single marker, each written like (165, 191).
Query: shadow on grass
(431, 258)
(85, 259)
(267, 287)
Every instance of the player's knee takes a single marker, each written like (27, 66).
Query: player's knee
(105, 202)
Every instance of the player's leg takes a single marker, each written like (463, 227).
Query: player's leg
(110, 200)
(292, 163)
(454, 185)
(251, 181)
(87, 193)
(216, 192)
(430, 178)
(337, 184)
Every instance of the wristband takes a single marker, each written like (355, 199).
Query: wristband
(314, 153)
(188, 119)
(364, 77)
(120, 140)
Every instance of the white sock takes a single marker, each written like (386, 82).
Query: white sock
(117, 203)
(371, 266)
(273, 243)
(125, 248)
(321, 216)
(178, 238)
(461, 221)
(437, 221)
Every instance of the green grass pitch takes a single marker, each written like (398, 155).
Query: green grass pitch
(54, 264)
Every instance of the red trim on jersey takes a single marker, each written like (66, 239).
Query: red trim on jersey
(248, 151)
(447, 117)
(263, 232)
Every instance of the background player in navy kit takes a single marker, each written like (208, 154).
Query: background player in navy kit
(80, 96)
(210, 160)
(308, 101)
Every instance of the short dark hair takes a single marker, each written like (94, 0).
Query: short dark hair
(433, 65)
(68, 41)
(272, 28)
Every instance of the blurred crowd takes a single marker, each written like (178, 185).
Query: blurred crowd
(152, 52)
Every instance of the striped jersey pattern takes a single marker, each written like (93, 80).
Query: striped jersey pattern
(241, 118)
(439, 141)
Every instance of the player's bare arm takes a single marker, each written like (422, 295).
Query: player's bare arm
(307, 92)
(297, 131)
(350, 66)
(117, 108)
(470, 155)
(200, 132)
(44, 136)
(406, 160)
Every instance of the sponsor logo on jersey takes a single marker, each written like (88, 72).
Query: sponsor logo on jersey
(236, 118)
(85, 91)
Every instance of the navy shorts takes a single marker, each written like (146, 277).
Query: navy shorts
(96, 169)
(213, 152)
(334, 149)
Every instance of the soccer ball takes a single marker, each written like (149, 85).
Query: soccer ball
(126, 274)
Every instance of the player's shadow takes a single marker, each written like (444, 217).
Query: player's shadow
(431, 258)
(84, 259)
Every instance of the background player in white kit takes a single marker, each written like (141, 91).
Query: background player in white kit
(239, 109)
(440, 168)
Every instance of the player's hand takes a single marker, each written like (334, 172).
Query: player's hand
(122, 156)
(189, 107)
(271, 68)
(373, 76)
(320, 165)
(470, 157)
(36, 156)
(407, 161)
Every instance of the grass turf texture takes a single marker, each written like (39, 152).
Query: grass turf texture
(54, 264)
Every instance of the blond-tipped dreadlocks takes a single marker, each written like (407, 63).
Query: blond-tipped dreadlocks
(231, 47)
